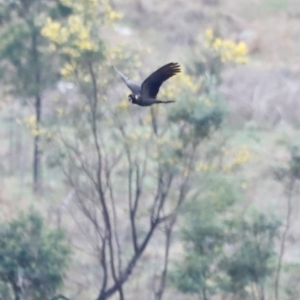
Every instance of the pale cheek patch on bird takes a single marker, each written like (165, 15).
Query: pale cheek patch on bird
(132, 98)
(145, 95)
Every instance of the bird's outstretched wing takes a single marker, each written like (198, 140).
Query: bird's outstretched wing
(135, 88)
(151, 85)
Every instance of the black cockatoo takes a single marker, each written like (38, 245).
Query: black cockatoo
(145, 95)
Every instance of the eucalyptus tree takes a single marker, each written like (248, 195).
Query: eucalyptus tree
(28, 69)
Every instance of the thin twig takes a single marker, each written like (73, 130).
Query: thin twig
(285, 232)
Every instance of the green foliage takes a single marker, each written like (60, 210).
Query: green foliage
(223, 254)
(295, 163)
(204, 114)
(216, 53)
(32, 258)
(292, 282)
(253, 242)
(27, 67)
(60, 10)
(292, 169)
(204, 235)
(126, 137)
(277, 5)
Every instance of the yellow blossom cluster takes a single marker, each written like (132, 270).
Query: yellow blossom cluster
(242, 156)
(170, 142)
(114, 53)
(204, 167)
(148, 118)
(60, 112)
(179, 84)
(124, 104)
(227, 50)
(139, 134)
(71, 39)
(163, 140)
(177, 144)
(172, 161)
(89, 7)
(73, 36)
(109, 14)
(117, 54)
(34, 129)
(208, 102)
(68, 69)
(228, 168)
(166, 161)
(31, 124)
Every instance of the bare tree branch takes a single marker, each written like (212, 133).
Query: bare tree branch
(284, 235)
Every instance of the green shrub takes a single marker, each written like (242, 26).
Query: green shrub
(32, 258)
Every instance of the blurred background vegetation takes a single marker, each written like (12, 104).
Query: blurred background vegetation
(103, 199)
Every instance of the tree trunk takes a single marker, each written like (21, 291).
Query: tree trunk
(284, 235)
(15, 287)
(36, 153)
(38, 108)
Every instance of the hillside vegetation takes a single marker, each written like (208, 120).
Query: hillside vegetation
(103, 199)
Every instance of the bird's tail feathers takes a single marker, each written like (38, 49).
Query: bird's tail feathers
(164, 101)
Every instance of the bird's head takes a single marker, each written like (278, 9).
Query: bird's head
(132, 98)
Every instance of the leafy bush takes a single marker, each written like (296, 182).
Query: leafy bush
(250, 264)
(204, 236)
(32, 258)
(224, 255)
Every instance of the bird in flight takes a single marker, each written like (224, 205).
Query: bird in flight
(145, 95)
